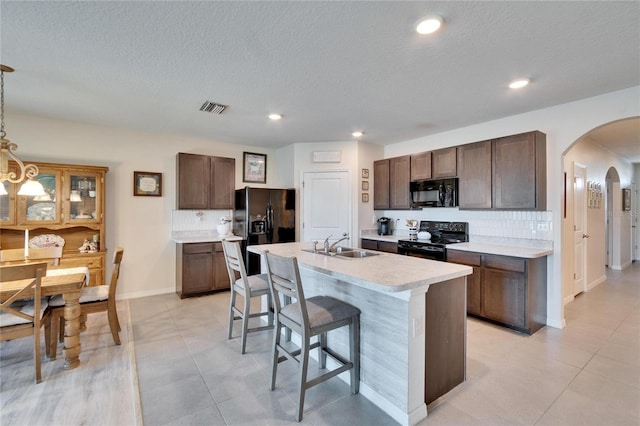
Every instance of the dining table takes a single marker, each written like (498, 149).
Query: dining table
(69, 283)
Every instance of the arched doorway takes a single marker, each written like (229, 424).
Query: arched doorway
(606, 226)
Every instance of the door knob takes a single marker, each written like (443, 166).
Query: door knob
(585, 236)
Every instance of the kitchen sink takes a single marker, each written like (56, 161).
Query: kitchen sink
(345, 252)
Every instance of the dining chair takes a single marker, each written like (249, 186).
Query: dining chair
(23, 313)
(35, 253)
(247, 286)
(93, 299)
(315, 316)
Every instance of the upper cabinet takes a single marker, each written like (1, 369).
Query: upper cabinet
(205, 182)
(520, 172)
(84, 199)
(391, 179)
(421, 166)
(507, 173)
(474, 177)
(45, 209)
(444, 163)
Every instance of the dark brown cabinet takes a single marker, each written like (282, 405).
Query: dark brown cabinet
(519, 172)
(444, 163)
(507, 290)
(507, 173)
(391, 183)
(421, 166)
(205, 182)
(474, 176)
(200, 269)
(385, 246)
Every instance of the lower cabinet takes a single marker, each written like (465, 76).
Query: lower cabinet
(385, 246)
(507, 290)
(200, 269)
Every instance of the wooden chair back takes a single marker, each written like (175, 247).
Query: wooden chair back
(115, 273)
(233, 259)
(21, 271)
(285, 281)
(35, 253)
(21, 317)
(9, 255)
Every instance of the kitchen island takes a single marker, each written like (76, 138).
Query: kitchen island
(412, 322)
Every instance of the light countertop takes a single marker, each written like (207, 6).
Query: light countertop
(206, 236)
(368, 234)
(385, 273)
(524, 248)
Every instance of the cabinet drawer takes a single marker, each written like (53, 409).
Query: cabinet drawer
(467, 258)
(505, 263)
(387, 246)
(192, 248)
(369, 244)
(74, 262)
(217, 247)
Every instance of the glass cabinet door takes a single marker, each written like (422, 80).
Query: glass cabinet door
(43, 209)
(8, 202)
(83, 203)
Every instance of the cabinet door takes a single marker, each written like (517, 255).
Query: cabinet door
(193, 174)
(387, 247)
(83, 194)
(444, 163)
(381, 184)
(46, 209)
(399, 177)
(421, 166)
(221, 272)
(8, 201)
(369, 244)
(222, 186)
(518, 173)
(197, 273)
(474, 177)
(504, 296)
(474, 281)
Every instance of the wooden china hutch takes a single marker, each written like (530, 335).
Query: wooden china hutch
(73, 208)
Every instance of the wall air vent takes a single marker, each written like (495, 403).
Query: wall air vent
(213, 107)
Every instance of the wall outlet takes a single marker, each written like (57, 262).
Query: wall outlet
(543, 226)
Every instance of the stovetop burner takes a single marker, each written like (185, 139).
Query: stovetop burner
(442, 233)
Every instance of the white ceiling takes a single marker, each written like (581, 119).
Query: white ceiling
(329, 67)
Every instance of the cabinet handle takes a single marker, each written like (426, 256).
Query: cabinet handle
(585, 235)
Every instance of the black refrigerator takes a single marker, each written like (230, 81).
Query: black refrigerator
(263, 216)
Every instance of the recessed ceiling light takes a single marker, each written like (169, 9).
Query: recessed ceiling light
(357, 134)
(519, 83)
(429, 24)
(275, 116)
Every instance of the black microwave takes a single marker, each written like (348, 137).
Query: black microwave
(434, 193)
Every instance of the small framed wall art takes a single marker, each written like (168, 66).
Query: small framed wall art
(626, 200)
(365, 173)
(147, 184)
(254, 167)
(365, 197)
(365, 185)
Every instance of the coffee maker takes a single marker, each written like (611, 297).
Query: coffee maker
(384, 226)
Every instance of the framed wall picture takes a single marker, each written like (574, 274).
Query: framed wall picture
(365, 173)
(626, 200)
(365, 197)
(147, 184)
(254, 167)
(365, 185)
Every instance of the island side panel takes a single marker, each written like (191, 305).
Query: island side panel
(445, 340)
(384, 332)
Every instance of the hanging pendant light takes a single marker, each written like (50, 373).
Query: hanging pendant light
(31, 187)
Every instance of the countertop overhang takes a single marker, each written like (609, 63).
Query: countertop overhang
(385, 273)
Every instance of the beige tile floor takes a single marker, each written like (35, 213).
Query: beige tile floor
(585, 374)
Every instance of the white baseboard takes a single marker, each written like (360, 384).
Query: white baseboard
(595, 283)
(568, 299)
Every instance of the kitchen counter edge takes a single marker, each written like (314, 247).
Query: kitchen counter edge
(502, 250)
(187, 237)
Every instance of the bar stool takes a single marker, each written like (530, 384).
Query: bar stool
(248, 286)
(310, 317)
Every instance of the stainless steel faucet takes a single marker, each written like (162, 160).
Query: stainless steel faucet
(326, 244)
(345, 236)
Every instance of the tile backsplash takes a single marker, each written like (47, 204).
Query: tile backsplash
(531, 225)
(197, 220)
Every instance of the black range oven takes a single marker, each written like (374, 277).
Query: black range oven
(442, 233)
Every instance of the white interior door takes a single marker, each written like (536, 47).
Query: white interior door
(326, 206)
(579, 228)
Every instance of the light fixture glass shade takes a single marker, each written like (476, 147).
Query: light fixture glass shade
(45, 197)
(519, 83)
(3, 190)
(32, 188)
(75, 197)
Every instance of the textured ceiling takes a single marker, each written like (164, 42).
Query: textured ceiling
(329, 67)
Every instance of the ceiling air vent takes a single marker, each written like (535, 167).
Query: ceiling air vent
(213, 107)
